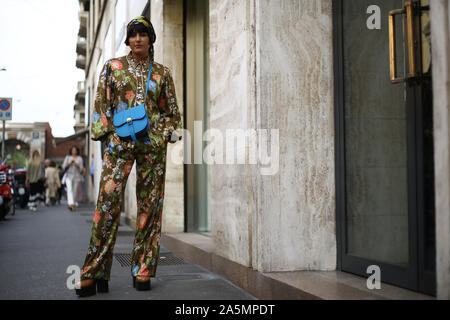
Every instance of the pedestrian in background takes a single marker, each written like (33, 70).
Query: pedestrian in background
(61, 188)
(124, 83)
(52, 183)
(74, 165)
(81, 193)
(35, 180)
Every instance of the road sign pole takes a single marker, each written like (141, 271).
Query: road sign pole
(3, 142)
(5, 114)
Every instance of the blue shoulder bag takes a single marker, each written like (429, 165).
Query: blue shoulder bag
(133, 122)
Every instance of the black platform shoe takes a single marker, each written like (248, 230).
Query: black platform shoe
(99, 285)
(87, 291)
(102, 286)
(141, 285)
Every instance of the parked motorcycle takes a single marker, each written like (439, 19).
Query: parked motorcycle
(21, 193)
(6, 191)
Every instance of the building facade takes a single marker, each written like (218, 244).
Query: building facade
(316, 142)
(79, 108)
(22, 139)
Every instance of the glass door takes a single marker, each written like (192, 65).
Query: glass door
(384, 149)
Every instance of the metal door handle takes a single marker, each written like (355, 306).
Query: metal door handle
(409, 10)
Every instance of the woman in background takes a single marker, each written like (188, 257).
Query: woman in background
(61, 190)
(52, 183)
(74, 165)
(35, 180)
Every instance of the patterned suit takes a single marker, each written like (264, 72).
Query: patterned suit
(122, 86)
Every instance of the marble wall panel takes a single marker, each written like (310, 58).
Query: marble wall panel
(229, 105)
(295, 227)
(440, 35)
(271, 68)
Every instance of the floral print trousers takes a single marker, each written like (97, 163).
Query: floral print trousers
(119, 157)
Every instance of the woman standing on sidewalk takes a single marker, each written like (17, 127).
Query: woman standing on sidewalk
(122, 85)
(73, 164)
(35, 180)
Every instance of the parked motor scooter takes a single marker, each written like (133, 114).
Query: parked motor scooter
(21, 193)
(6, 191)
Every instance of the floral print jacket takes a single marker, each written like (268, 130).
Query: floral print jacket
(122, 86)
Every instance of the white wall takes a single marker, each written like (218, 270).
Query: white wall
(135, 8)
(120, 32)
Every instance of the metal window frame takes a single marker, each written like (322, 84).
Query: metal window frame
(403, 277)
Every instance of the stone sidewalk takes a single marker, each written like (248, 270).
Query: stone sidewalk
(36, 249)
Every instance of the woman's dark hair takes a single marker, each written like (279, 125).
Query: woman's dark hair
(71, 148)
(133, 29)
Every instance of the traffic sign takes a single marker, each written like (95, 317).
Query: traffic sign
(5, 109)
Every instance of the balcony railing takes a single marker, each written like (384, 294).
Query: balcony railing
(78, 107)
(81, 46)
(81, 62)
(81, 86)
(83, 17)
